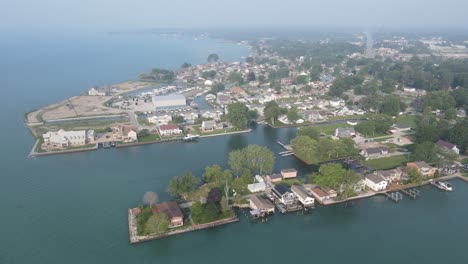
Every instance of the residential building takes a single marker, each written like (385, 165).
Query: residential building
(275, 177)
(345, 132)
(399, 128)
(169, 130)
(124, 133)
(394, 175)
(373, 153)
(312, 115)
(256, 187)
(284, 194)
(302, 195)
(288, 173)
(422, 167)
(375, 182)
(261, 204)
(63, 139)
(209, 125)
(447, 146)
(173, 212)
(319, 194)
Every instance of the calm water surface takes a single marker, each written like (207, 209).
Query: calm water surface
(72, 208)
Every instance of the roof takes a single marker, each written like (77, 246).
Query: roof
(281, 189)
(261, 202)
(168, 127)
(168, 97)
(376, 150)
(170, 208)
(420, 164)
(444, 144)
(375, 178)
(319, 192)
(275, 176)
(288, 170)
(300, 191)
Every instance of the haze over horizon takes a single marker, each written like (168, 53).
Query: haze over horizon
(108, 15)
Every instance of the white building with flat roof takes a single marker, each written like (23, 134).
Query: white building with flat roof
(172, 101)
(62, 138)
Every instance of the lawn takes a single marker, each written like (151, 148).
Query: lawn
(329, 129)
(407, 120)
(196, 130)
(149, 138)
(387, 163)
(144, 122)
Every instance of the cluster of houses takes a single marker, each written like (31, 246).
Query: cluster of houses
(261, 183)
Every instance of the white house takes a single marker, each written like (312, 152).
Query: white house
(94, 92)
(284, 194)
(256, 187)
(372, 153)
(375, 182)
(169, 130)
(62, 138)
(302, 195)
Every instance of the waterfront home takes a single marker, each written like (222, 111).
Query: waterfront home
(345, 132)
(173, 212)
(209, 125)
(400, 128)
(162, 119)
(302, 195)
(124, 133)
(284, 194)
(373, 153)
(394, 175)
(261, 204)
(64, 139)
(422, 167)
(275, 177)
(312, 115)
(95, 92)
(256, 187)
(447, 146)
(319, 194)
(288, 173)
(169, 130)
(375, 182)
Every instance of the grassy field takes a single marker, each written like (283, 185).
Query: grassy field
(149, 138)
(407, 120)
(329, 129)
(196, 130)
(387, 163)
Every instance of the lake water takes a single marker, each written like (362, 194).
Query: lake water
(72, 208)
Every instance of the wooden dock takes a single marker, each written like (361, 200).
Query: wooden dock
(394, 196)
(412, 192)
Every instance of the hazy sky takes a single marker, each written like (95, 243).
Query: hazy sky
(97, 15)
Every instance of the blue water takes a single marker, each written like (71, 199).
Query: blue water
(72, 208)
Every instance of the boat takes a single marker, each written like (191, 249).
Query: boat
(446, 186)
(352, 123)
(191, 137)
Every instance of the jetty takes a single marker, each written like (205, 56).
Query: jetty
(394, 196)
(412, 192)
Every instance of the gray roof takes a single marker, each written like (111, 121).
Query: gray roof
(375, 178)
(300, 191)
(261, 203)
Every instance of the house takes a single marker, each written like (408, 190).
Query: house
(209, 125)
(169, 130)
(62, 138)
(302, 195)
(399, 128)
(158, 120)
(375, 182)
(173, 212)
(261, 204)
(373, 153)
(312, 115)
(275, 177)
(422, 167)
(390, 175)
(284, 194)
(447, 146)
(236, 90)
(337, 102)
(345, 132)
(256, 187)
(223, 99)
(288, 173)
(319, 194)
(124, 133)
(95, 92)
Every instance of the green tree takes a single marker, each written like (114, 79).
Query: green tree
(334, 176)
(293, 115)
(235, 77)
(236, 162)
(216, 88)
(238, 115)
(213, 57)
(450, 113)
(186, 65)
(309, 132)
(182, 185)
(177, 119)
(253, 114)
(459, 135)
(302, 79)
(272, 111)
(413, 175)
(208, 74)
(157, 224)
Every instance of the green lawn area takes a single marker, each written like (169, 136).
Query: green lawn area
(329, 129)
(196, 130)
(290, 182)
(387, 163)
(407, 120)
(149, 138)
(143, 122)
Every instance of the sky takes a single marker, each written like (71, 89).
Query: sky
(112, 15)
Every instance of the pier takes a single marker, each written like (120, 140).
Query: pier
(413, 193)
(394, 196)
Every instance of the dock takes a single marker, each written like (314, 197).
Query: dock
(285, 146)
(394, 196)
(413, 193)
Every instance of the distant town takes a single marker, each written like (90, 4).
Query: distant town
(379, 114)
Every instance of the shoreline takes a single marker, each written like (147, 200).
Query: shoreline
(134, 238)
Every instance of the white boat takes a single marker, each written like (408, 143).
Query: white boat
(446, 186)
(190, 137)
